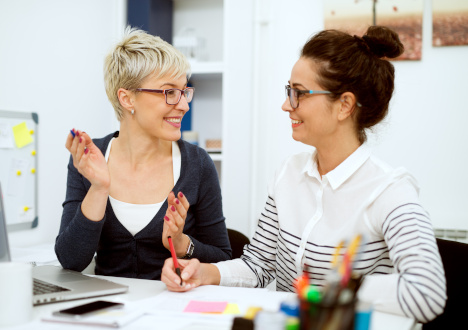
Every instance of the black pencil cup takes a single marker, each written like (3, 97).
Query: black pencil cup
(319, 316)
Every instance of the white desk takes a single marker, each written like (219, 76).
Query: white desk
(148, 292)
(139, 290)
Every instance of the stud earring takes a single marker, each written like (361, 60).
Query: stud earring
(133, 112)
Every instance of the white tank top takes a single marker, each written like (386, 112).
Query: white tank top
(135, 217)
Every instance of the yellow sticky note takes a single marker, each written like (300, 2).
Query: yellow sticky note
(22, 135)
(251, 312)
(232, 309)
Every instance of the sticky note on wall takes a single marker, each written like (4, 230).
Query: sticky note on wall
(22, 135)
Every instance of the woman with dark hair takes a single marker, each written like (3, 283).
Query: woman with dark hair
(340, 86)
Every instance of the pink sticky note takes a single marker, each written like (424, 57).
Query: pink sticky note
(195, 306)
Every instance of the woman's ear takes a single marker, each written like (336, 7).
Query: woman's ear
(125, 98)
(348, 105)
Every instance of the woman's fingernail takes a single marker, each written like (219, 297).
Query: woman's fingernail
(86, 151)
(177, 201)
(72, 132)
(177, 281)
(181, 195)
(77, 133)
(80, 140)
(166, 218)
(172, 208)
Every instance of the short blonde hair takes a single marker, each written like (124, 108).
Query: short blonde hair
(136, 57)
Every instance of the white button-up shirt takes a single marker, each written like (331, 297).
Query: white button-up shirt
(307, 216)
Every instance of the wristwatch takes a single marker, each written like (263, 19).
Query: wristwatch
(190, 249)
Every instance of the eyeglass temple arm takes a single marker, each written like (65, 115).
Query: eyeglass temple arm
(150, 90)
(316, 92)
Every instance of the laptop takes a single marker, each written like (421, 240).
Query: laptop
(55, 284)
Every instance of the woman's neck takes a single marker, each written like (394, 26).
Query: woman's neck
(139, 149)
(330, 156)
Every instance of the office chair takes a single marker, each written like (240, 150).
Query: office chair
(455, 260)
(237, 240)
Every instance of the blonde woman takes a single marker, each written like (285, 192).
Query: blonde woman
(129, 191)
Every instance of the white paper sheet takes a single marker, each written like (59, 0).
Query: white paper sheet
(167, 307)
(43, 254)
(6, 136)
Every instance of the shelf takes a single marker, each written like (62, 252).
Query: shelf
(216, 156)
(207, 68)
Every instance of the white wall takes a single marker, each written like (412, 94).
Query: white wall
(51, 60)
(51, 56)
(425, 132)
(281, 30)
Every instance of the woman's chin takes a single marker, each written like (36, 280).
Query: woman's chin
(296, 137)
(175, 136)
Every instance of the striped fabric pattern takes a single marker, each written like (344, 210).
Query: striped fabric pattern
(307, 215)
(408, 248)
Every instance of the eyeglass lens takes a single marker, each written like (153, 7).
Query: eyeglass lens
(173, 95)
(293, 96)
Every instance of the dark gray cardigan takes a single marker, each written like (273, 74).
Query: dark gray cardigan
(119, 253)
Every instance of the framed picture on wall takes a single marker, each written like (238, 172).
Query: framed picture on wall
(449, 22)
(403, 16)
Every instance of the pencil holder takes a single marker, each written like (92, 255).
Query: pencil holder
(321, 316)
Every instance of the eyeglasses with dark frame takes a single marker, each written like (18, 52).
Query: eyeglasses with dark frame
(172, 95)
(293, 94)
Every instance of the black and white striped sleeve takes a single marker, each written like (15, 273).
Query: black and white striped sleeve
(421, 286)
(417, 287)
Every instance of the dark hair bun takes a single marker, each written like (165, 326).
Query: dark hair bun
(383, 42)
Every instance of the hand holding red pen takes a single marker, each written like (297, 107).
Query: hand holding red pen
(194, 274)
(189, 274)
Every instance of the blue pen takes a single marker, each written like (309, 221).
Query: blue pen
(72, 133)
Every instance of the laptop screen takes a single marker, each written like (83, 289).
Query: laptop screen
(4, 249)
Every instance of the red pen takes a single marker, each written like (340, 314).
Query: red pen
(174, 258)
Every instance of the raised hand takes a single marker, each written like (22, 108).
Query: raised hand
(174, 221)
(88, 159)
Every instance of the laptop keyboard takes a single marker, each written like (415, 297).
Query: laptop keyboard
(41, 287)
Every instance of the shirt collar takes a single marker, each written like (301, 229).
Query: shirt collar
(311, 166)
(343, 171)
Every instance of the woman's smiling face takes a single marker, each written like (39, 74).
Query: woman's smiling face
(154, 115)
(313, 121)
